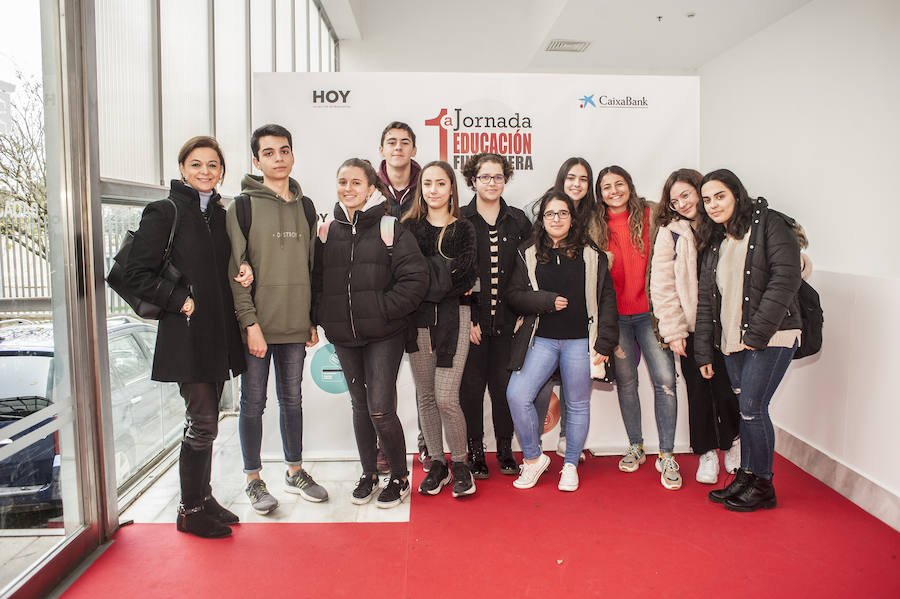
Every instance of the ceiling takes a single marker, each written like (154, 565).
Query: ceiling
(637, 36)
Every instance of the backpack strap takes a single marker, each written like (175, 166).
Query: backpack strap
(312, 217)
(171, 231)
(244, 215)
(323, 230)
(387, 232)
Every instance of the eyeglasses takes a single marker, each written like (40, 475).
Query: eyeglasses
(681, 200)
(485, 179)
(557, 214)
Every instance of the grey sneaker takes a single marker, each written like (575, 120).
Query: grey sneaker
(302, 484)
(670, 477)
(633, 458)
(261, 500)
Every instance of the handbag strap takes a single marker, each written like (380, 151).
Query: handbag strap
(171, 231)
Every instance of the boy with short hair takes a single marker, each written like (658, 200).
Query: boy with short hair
(275, 316)
(398, 170)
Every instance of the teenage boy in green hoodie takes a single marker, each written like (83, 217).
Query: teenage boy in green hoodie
(275, 316)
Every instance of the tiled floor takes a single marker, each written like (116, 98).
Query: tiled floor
(160, 502)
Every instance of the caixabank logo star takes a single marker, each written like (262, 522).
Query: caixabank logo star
(608, 101)
(462, 134)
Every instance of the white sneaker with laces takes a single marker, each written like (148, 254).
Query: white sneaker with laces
(708, 470)
(530, 473)
(733, 457)
(561, 447)
(568, 478)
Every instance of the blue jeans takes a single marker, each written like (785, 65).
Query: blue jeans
(637, 329)
(288, 375)
(754, 377)
(573, 358)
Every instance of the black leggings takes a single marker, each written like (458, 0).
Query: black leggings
(712, 406)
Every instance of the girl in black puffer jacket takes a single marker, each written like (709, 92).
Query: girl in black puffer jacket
(363, 291)
(747, 308)
(438, 353)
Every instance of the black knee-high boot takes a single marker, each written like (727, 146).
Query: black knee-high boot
(210, 505)
(194, 476)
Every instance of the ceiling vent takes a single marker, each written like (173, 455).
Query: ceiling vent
(567, 46)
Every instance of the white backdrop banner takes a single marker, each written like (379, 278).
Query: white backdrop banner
(648, 125)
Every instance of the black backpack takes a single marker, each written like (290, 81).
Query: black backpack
(245, 219)
(813, 319)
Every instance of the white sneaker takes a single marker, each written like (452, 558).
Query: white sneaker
(561, 450)
(529, 473)
(708, 470)
(568, 478)
(561, 447)
(733, 457)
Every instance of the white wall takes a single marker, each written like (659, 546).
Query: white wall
(805, 113)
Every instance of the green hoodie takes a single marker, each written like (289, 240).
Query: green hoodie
(280, 249)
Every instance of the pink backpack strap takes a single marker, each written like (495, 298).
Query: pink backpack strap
(323, 231)
(387, 231)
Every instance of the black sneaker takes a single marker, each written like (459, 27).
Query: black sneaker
(437, 477)
(393, 494)
(365, 489)
(463, 484)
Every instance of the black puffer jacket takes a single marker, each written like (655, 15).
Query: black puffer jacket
(361, 293)
(207, 348)
(514, 228)
(771, 281)
(529, 301)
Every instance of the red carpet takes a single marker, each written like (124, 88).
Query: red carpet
(619, 535)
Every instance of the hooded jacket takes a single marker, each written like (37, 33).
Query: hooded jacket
(528, 300)
(280, 249)
(400, 200)
(362, 292)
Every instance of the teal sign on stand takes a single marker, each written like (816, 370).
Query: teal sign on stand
(326, 370)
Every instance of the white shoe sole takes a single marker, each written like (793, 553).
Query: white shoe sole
(634, 467)
(672, 486)
(265, 512)
(304, 494)
(442, 484)
(403, 495)
(364, 500)
(469, 491)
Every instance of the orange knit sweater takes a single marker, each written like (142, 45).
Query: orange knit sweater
(629, 269)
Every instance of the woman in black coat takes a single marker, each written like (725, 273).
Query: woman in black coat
(747, 308)
(197, 344)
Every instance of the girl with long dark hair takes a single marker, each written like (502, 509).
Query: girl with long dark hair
(750, 272)
(625, 223)
(438, 354)
(562, 286)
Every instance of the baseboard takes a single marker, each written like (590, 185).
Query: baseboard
(868, 495)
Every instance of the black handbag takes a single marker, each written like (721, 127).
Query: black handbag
(116, 276)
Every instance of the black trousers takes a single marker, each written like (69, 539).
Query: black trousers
(486, 365)
(713, 412)
(201, 425)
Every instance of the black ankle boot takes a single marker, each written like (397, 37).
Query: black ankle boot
(216, 511)
(477, 465)
(197, 522)
(741, 480)
(508, 464)
(758, 494)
